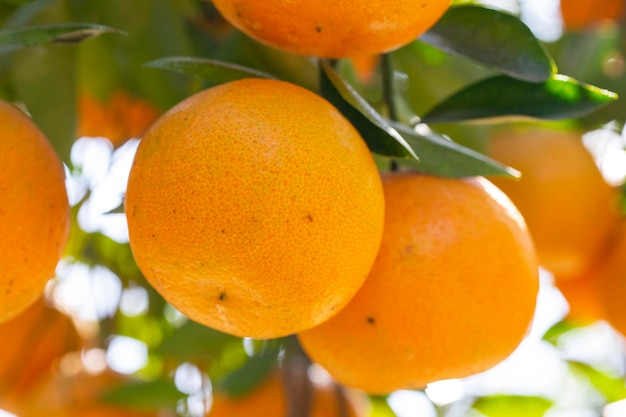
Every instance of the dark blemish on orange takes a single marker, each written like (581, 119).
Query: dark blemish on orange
(318, 29)
(309, 218)
(371, 320)
(222, 296)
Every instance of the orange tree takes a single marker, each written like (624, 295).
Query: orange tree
(252, 255)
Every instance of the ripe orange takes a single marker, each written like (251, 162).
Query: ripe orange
(452, 292)
(611, 280)
(34, 212)
(269, 400)
(31, 343)
(255, 208)
(579, 14)
(333, 29)
(120, 118)
(582, 295)
(570, 210)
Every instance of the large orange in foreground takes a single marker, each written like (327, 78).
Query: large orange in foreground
(255, 208)
(570, 210)
(333, 29)
(452, 292)
(34, 211)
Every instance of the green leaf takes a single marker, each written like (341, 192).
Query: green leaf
(443, 157)
(65, 33)
(613, 388)
(377, 133)
(380, 407)
(493, 39)
(152, 395)
(45, 80)
(217, 72)
(512, 406)
(250, 375)
(193, 340)
(560, 97)
(554, 333)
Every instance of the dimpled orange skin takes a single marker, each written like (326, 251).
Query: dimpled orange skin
(451, 294)
(579, 14)
(333, 29)
(570, 210)
(255, 208)
(269, 400)
(34, 211)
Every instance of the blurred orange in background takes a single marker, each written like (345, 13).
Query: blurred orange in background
(119, 118)
(579, 14)
(29, 346)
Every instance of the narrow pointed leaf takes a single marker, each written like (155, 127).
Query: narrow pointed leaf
(612, 387)
(379, 135)
(65, 33)
(443, 157)
(215, 71)
(559, 98)
(494, 39)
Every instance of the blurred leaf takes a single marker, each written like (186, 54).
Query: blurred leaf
(45, 80)
(613, 388)
(512, 406)
(553, 334)
(377, 133)
(150, 395)
(380, 407)
(216, 72)
(443, 157)
(494, 39)
(192, 340)
(66, 33)
(251, 374)
(560, 97)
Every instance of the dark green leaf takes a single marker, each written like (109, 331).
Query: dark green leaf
(247, 377)
(560, 97)
(66, 33)
(216, 72)
(45, 80)
(377, 133)
(493, 39)
(443, 157)
(613, 388)
(151, 395)
(512, 406)
(192, 340)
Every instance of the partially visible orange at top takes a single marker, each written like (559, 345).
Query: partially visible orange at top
(333, 29)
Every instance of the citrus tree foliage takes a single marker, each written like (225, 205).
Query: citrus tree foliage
(110, 67)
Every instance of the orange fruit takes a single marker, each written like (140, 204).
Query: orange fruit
(34, 211)
(570, 210)
(582, 295)
(118, 119)
(611, 280)
(333, 29)
(452, 292)
(78, 396)
(31, 343)
(255, 208)
(269, 399)
(579, 14)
